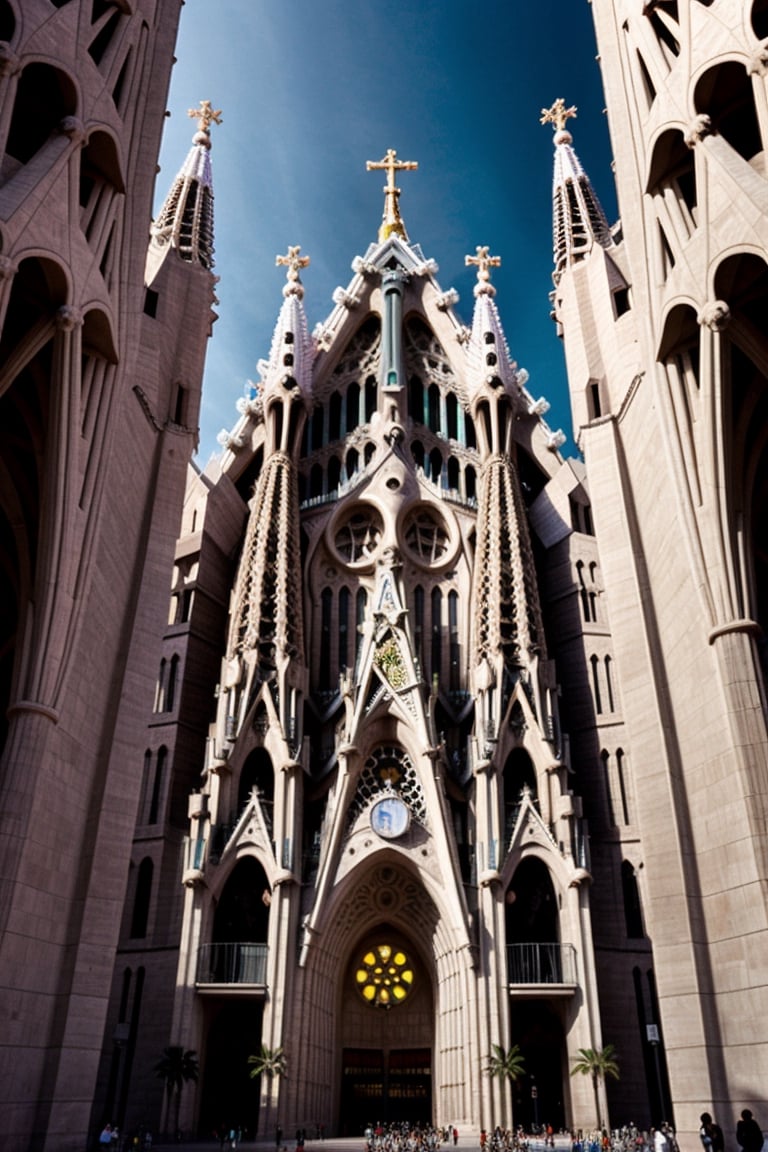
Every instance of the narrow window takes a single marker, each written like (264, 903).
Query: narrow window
(609, 684)
(593, 660)
(141, 899)
(326, 601)
(622, 785)
(633, 913)
(437, 633)
(453, 631)
(343, 626)
(157, 785)
(170, 695)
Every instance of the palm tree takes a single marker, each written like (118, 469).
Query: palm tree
(176, 1066)
(270, 1062)
(506, 1063)
(597, 1063)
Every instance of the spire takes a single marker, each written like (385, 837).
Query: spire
(579, 220)
(292, 351)
(487, 352)
(185, 220)
(391, 221)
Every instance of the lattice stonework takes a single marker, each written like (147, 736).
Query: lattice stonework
(267, 612)
(360, 358)
(425, 358)
(389, 767)
(505, 597)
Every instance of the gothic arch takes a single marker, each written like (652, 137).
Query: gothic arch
(7, 22)
(672, 181)
(725, 94)
(741, 280)
(44, 97)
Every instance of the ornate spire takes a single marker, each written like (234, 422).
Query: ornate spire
(391, 221)
(185, 221)
(483, 262)
(487, 352)
(292, 351)
(579, 221)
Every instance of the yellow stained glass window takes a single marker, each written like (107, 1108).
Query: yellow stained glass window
(384, 976)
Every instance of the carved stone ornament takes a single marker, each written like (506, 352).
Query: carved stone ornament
(715, 315)
(699, 127)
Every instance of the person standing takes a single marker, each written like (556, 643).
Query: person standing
(749, 1134)
(711, 1134)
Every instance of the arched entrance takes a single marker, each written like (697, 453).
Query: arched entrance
(536, 961)
(386, 1033)
(232, 970)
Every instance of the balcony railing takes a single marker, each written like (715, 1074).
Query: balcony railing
(232, 964)
(541, 964)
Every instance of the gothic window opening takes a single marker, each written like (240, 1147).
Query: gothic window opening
(726, 95)
(622, 785)
(44, 97)
(357, 536)
(633, 913)
(606, 772)
(609, 683)
(648, 87)
(453, 474)
(425, 536)
(361, 607)
(470, 482)
(433, 420)
(352, 407)
(672, 182)
(418, 623)
(454, 653)
(742, 281)
(141, 899)
(342, 627)
(158, 780)
(334, 473)
(160, 687)
(326, 605)
(416, 400)
(257, 776)
(436, 651)
(594, 663)
(334, 418)
(452, 416)
(519, 780)
(370, 398)
(7, 21)
(759, 19)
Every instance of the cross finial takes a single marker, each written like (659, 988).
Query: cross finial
(483, 262)
(558, 114)
(206, 115)
(293, 263)
(391, 221)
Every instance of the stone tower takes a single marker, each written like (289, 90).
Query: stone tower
(663, 321)
(386, 869)
(99, 393)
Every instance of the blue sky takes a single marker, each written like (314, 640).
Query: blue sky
(311, 89)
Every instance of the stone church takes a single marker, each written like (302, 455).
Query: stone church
(410, 740)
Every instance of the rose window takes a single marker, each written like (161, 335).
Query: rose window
(425, 536)
(357, 537)
(384, 976)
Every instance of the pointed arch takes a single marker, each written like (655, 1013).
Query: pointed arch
(725, 94)
(141, 899)
(44, 97)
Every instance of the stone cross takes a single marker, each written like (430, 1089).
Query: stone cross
(292, 261)
(390, 164)
(483, 262)
(558, 114)
(206, 115)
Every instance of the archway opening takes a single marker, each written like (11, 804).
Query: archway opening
(386, 1014)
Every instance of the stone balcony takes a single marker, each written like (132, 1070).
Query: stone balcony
(230, 968)
(541, 970)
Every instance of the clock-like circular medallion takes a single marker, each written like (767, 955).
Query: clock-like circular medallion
(390, 817)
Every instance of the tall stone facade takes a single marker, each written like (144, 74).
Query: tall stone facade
(664, 330)
(99, 393)
(448, 744)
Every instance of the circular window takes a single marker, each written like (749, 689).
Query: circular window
(357, 537)
(384, 976)
(425, 535)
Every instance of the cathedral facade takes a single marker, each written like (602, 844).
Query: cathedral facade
(450, 748)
